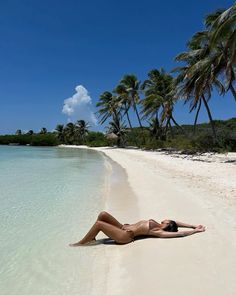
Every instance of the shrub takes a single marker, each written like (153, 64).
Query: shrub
(153, 144)
(181, 142)
(48, 139)
(96, 139)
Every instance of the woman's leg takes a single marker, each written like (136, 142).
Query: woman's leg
(108, 218)
(119, 235)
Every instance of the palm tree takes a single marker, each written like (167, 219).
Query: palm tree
(123, 98)
(153, 96)
(216, 46)
(154, 128)
(131, 86)
(43, 130)
(69, 132)
(18, 132)
(195, 79)
(109, 106)
(117, 127)
(167, 112)
(222, 30)
(158, 102)
(60, 132)
(30, 132)
(81, 129)
(211, 56)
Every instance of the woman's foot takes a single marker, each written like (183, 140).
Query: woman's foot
(83, 244)
(76, 244)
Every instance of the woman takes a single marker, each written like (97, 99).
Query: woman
(125, 233)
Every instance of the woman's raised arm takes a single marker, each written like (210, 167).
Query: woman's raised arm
(179, 234)
(181, 224)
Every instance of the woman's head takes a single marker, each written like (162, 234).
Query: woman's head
(169, 225)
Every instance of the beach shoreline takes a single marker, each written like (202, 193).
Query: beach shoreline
(188, 190)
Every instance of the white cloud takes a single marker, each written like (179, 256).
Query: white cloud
(79, 106)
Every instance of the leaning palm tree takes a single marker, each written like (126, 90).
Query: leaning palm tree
(109, 107)
(166, 116)
(123, 98)
(196, 79)
(216, 46)
(131, 86)
(153, 95)
(222, 42)
(195, 84)
(158, 102)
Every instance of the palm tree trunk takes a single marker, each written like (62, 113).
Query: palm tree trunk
(176, 124)
(118, 141)
(166, 127)
(136, 111)
(140, 124)
(131, 127)
(171, 130)
(127, 115)
(232, 90)
(210, 118)
(157, 127)
(196, 117)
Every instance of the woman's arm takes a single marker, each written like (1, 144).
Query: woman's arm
(165, 234)
(181, 224)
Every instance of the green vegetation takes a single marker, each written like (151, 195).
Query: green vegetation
(49, 139)
(208, 64)
(188, 142)
(180, 138)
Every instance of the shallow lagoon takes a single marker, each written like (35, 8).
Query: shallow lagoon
(48, 197)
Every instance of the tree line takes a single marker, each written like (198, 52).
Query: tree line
(207, 64)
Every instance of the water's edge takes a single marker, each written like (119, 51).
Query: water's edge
(120, 201)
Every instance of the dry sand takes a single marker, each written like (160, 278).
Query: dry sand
(180, 188)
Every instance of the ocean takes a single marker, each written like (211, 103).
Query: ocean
(49, 197)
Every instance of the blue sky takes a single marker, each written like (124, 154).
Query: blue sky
(47, 48)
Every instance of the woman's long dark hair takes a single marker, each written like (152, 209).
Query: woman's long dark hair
(172, 226)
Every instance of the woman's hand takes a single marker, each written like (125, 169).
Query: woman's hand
(200, 228)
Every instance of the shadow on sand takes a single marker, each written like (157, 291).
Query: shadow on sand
(108, 241)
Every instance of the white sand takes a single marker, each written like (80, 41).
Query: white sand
(185, 190)
(162, 186)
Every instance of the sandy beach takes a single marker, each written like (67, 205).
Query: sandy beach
(181, 189)
(198, 190)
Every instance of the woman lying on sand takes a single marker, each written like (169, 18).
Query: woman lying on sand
(125, 233)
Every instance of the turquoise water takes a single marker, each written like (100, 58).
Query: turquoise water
(48, 198)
